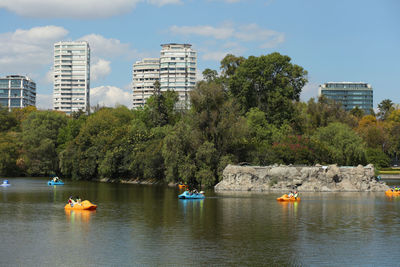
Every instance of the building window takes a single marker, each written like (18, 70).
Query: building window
(15, 83)
(3, 93)
(15, 92)
(4, 102)
(15, 102)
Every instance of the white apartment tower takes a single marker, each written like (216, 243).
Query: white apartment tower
(71, 77)
(178, 64)
(145, 73)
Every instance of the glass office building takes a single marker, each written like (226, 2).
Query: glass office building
(349, 94)
(17, 92)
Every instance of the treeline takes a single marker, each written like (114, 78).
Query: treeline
(250, 113)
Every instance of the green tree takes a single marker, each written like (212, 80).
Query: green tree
(100, 139)
(385, 108)
(160, 107)
(377, 157)
(39, 135)
(229, 64)
(344, 146)
(357, 112)
(269, 82)
(9, 153)
(7, 120)
(313, 115)
(210, 75)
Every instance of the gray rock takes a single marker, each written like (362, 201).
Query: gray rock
(330, 178)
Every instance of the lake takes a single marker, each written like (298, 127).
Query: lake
(149, 225)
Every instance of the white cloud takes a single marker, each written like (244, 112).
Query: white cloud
(108, 47)
(234, 36)
(227, 1)
(100, 69)
(76, 8)
(214, 55)
(226, 48)
(44, 101)
(253, 32)
(23, 51)
(164, 2)
(110, 96)
(222, 32)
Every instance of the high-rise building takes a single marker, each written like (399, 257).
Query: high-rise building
(178, 64)
(349, 94)
(17, 92)
(145, 73)
(71, 77)
(176, 71)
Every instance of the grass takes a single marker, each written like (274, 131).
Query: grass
(390, 172)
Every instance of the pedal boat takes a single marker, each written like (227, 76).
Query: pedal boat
(188, 195)
(55, 183)
(84, 205)
(285, 197)
(391, 193)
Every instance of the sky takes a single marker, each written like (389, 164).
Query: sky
(336, 40)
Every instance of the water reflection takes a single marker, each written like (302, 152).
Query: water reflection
(74, 216)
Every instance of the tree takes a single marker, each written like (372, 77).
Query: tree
(39, 135)
(161, 107)
(9, 149)
(357, 112)
(377, 157)
(313, 115)
(374, 133)
(210, 75)
(7, 120)
(269, 82)
(344, 146)
(229, 64)
(385, 108)
(102, 140)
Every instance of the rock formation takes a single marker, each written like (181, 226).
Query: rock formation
(317, 178)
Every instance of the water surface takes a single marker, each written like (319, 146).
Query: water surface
(148, 225)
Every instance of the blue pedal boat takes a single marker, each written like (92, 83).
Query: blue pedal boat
(55, 181)
(188, 195)
(5, 183)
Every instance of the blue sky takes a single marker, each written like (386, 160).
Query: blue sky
(353, 40)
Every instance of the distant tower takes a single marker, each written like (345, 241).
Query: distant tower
(71, 77)
(178, 64)
(17, 91)
(145, 73)
(349, 94)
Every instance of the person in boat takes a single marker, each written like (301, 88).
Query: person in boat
(296, 194)
(78, 200)
(290, 195)
(71, 201)
(5, 182)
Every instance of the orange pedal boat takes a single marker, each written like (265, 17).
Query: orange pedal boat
(285, 197)
(182, 186)
(84, 205)
(391, 193)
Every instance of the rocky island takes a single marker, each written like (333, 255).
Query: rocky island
(316, 178)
